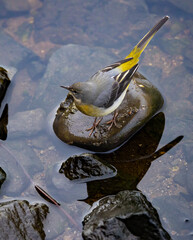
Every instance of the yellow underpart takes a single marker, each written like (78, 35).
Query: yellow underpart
(88, 109)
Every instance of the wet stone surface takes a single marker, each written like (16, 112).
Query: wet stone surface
(142, 101)
(85, 166)
(20, 220)
(127, 215)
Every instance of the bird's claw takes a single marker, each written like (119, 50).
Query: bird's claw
(113, 121)
(94, 126)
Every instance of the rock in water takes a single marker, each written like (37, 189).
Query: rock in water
(142, 101)
(20, 220)
(127, 215)
(85, 166)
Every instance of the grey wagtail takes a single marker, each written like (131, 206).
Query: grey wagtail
(106, 89)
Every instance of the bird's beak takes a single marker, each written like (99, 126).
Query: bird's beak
(67, 87)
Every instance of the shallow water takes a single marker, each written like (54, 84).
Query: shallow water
(30, 37)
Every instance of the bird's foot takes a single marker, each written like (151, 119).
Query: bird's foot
(113, 121)
(94, 126)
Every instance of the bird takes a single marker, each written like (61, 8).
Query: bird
(105, 90)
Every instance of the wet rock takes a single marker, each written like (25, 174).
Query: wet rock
(60, 187)
(142, 101)
(4, 83)
(85, 166)
(2, 176)
(27, 123)
(21, 220)
(68, 64)
(127, 215)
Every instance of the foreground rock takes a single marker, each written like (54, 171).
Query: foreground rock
(20, 220)
(127, 215)
(142, 101)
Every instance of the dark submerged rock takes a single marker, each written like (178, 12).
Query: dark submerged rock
(142, 101)
(4, 123)
(4, 83)
(21, 220)
(2, 176)
(127, 215)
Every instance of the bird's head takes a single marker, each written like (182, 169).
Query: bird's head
(80, 91)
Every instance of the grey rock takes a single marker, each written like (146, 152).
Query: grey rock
(142, 101)
(127, 215)
(20, 220)
(27, 123)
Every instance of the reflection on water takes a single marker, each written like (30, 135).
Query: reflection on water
(30, 36)
(132, 160)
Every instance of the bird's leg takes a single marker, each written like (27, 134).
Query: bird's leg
(113, 120)
(95, 124)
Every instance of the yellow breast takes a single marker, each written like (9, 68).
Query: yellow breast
(95, 111)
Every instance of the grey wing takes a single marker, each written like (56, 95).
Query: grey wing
(110, 69)
(112, 92)
(116, 64)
